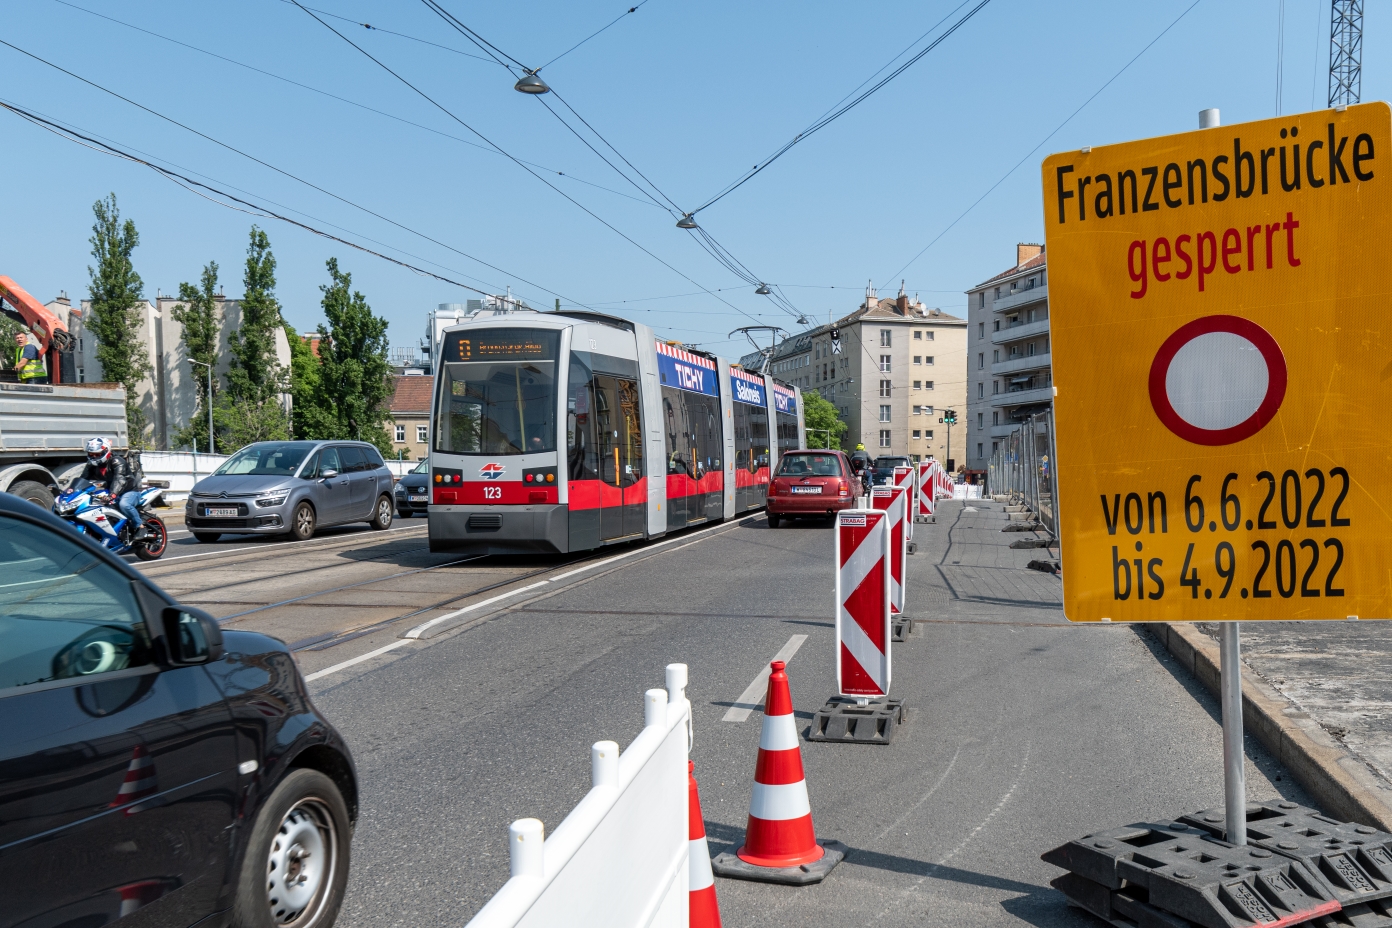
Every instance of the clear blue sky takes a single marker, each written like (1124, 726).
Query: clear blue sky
(692, 94)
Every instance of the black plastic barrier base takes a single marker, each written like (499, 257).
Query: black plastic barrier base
(729, 865)
(841, 719)
(902, 628)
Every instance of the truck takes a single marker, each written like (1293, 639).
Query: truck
(44, 431)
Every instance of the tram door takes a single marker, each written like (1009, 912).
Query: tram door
(618, 422)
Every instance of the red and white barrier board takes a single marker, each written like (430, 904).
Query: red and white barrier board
(925, 501)
(862, 602)
(905, 477)
(894, 501)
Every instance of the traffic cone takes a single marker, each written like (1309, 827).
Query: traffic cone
(140, 778)
(780, 844)
(705, 911)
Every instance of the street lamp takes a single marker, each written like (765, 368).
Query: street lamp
(210, 401)
(686, 222)
(763, 290)
(530, 83)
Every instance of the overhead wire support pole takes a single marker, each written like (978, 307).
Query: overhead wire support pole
(1345, 52)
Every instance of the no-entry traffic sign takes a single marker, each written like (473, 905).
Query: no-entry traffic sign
(1222, 361)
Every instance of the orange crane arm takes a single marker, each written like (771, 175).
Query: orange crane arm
(53, 330)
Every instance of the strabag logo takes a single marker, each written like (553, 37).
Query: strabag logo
(492, 471)
(853, 520)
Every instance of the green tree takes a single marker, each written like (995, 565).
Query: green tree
(309, 420)
(199, 316)
(116, 293)
(250, 409)
(354, 376)
(823, 421)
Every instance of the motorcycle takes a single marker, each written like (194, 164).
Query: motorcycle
(88, 509)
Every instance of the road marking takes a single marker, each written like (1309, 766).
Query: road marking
(355, 660)
(753, 695)
(421, 628)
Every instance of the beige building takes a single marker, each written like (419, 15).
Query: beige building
(168, 396)
(1009, 357)
(900, 366)
(410, 415)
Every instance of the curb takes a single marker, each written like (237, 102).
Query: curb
(1340, 783)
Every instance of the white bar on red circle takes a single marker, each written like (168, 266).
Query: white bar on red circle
(904, 477)
(925, 503)
(895, 502)
(862, 602)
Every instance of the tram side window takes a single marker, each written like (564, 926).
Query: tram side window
(751, 437)
(582, 453)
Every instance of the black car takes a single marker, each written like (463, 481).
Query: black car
(883, 469)
(413, 491)
(151, 764)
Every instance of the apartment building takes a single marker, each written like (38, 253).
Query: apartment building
(900, 365)
(410, 415)
(1008, 353)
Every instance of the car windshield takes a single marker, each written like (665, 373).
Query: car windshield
(810, 465)
(497, 392)
(422, 468)
(266, 459)
(890, 463)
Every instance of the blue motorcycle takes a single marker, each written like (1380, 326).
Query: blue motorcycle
(88, 509)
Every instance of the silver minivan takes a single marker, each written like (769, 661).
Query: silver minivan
(292, 488)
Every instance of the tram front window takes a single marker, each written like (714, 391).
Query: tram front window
(489, 405)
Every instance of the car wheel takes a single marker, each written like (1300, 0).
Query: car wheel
(207, 537)
(296, 863)
(773, 520)
(35, 493)
(302, 523)
(382, 516)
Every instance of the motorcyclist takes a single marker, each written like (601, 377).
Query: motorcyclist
(861, 465)
(111, 472)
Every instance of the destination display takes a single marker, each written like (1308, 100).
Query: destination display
(501, 345)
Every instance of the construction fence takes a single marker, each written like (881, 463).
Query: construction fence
(1023, 466)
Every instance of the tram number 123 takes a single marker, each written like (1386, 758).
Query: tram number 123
(1311, 504)
(491, 492)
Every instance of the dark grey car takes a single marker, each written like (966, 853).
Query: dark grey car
(413, 491)
(292, 487)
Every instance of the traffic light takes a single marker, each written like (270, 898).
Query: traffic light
(949, 416)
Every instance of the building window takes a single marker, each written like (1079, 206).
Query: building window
(927, 384)
(995, 418)
(997, 293)
(918, 385)
(995, 446)
(980, 390)
(917, 433)
(884, 438)
(978, 449)
(886, 387)
(401, 433)
(927, 410)
(423, 434)
(981, 420)
(1030, 351)
(981, 300)
(997, 325)
(995, 387)
(885, 336)
(81, 375)
(981, 360)
(981, 330)
(884, 413)
(918, 335)
(928, 434)
(929, 336)
(927, 359)
(884, 363)
(995, 356)
(918, 359)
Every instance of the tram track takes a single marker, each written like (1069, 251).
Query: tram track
(232, 557)
(302, 571)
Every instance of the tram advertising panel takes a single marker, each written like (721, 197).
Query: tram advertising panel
(786, 410)
(691, 423)
(752, 449)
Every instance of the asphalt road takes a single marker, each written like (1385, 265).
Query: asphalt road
(1024, 731)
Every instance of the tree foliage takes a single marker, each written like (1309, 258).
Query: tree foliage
(250, 410)
(823, 420)
(354, 376)
(116, 291)
(198, 314)
(308, 420)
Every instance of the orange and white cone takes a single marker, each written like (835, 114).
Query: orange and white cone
(780, 844)
(705, 910)
(139, 781)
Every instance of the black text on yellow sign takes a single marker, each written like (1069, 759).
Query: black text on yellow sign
(1221, 347)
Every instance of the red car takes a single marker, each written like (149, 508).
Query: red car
(811, 483)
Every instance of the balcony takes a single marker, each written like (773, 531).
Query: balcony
(1019, 298)
(1024, 362)
(1020, 330)
(1023, 397)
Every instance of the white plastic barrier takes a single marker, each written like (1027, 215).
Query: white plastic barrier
(620, 858)
(966, 491)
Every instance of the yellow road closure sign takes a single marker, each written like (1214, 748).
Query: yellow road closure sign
(1221, 306)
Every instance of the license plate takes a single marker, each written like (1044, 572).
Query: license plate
(221, 513)
(807, 489)
(420, 499)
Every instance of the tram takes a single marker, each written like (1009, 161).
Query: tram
(567, 431)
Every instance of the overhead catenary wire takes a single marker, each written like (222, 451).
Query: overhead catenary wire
(402, 35)
(272, 167)
(1056, 130)
(632, 9)
(212, 193)
(839, 111)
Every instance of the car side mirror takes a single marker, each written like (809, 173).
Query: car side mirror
(191, 636)
(327, 473)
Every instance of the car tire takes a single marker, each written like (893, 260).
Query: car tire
(207, 537)
(295, 866)
(35, 493)
(303, 522)
(382, 516)
(773, 520)
(403, 513)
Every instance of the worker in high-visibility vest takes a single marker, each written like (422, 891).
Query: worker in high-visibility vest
(28, 365)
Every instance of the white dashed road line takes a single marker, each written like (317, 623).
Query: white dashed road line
(753, 695)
